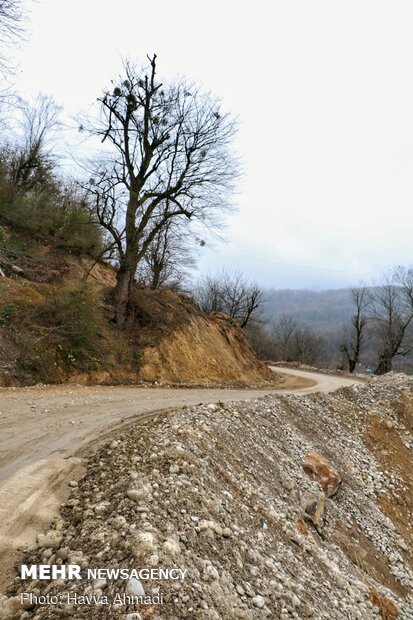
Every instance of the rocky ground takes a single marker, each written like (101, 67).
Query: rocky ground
(293, 506)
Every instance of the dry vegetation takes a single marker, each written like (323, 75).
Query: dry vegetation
(55, 311)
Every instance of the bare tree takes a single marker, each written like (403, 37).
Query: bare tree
(292, 343)
(283, 330)
(170, 158)
(232, 294)
(169, 258)
(30, 162)
(307, 347)
(352, 348)
(392, 313)
(11, 31)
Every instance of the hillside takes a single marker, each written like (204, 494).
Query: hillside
(320, 310)
(283, 507)
(55, 310)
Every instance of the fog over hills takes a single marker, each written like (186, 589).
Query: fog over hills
(320, 310)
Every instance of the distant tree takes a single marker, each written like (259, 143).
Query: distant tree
(392, 312)
(169, 158)
(353, 347)
(283, 331)
(307, 347)
(260, 340)
(232, 294)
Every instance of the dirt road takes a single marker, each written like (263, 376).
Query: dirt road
(47, 430)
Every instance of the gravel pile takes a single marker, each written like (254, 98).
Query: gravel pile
(220, 491)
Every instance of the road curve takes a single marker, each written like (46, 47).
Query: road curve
(46, 431)
(323, 382)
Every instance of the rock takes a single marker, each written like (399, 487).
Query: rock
(172, 546)
(174, 469)
(51, 539)
(63, 553)
(313, 505)
(16, 269)
(134, 616)
(403, 545)
(320, 471)
(138, 494)
(258, 601)
(144, 541)
(287, 484)
(307, 610)
(210, 573)
(134, 587)
(153, 560)
(9, 607)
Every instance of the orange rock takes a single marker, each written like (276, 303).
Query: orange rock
(320, 471)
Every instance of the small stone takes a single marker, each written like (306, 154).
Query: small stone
(153, 560)
(295, 601)
(403, 545)
(62, 553)
(172, 546)
(258, 601)
(174, 469)
(134, 587)
(51, 539)
(210, 573)
(138, 494)
(313, 505)
(307, 610)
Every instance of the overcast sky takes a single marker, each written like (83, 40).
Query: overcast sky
(324, 94)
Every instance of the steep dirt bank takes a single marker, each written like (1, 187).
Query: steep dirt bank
(55, 310)
(221, 490)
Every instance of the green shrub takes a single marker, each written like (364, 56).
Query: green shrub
(73, 313)
(54, 332)
(54, 208)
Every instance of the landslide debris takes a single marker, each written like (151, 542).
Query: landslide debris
(218, 490)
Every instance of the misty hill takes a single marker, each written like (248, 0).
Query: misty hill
(320, 310)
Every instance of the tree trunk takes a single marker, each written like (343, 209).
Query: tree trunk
(385, 364)
(124, 281)
(351, 365)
